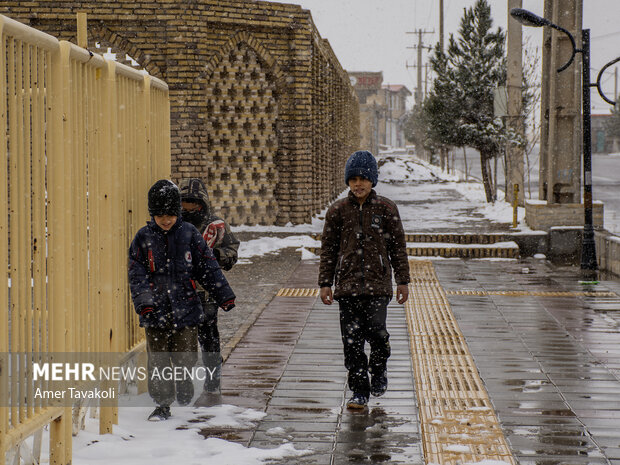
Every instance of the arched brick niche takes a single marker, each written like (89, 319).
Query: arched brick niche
(260, 107)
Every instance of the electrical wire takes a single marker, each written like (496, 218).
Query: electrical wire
(603, 36)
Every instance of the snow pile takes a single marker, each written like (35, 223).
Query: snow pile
(500, 211)
(394, 169)
(136, 441)
(405, 168)
(229, 416)
(266, 245)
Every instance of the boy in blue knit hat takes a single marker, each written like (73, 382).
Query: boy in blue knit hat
(362, 242)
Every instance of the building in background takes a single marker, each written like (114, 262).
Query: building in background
(395, 97)
(603, 140)
(382, 110)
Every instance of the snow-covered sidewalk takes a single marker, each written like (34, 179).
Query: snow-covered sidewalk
(428, 200)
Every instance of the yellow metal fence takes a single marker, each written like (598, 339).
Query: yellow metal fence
(82, 140)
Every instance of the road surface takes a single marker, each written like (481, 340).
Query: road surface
(605, 181)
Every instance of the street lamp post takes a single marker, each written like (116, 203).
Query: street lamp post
(527, 18)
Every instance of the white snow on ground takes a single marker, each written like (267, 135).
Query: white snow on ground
(457, 448)
(139, 442)
(488, 462)
(266, 245)
(450, 245)
(482, 462)
(396, 168)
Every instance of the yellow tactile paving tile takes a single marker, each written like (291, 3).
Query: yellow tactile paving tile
(298, 292)
(457, 420)
(535, 293)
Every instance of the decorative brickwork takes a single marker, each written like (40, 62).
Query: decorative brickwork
(261, 109)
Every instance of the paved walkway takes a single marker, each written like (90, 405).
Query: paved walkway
(546, 348)
(521, 349)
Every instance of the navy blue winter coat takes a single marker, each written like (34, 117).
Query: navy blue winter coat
(163, 269)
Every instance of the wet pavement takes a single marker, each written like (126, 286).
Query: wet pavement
(549, 363)
(547, 352)
(546, 347)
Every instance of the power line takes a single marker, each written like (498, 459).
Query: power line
(420, 46)
(606, 35)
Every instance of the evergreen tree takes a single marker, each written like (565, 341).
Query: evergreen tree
(418, 129)
(460, 106)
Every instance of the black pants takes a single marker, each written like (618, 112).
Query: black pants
(364, 319)
(208, 334)
(169, 348)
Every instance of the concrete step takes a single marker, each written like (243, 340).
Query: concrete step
(456, 245)
(507, 249)
(459, 238)
(447, 250)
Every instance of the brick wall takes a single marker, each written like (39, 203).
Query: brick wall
(261, 109)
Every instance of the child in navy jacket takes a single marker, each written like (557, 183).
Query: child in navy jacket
(166, 259)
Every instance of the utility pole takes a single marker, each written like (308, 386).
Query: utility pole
(514, 68)
(441, 24)
(418, 92)
(561, 141)
(616, 144)
(419, 65)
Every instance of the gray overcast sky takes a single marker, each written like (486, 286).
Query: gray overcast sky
(371, 35)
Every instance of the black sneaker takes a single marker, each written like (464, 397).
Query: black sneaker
(357, 401)
(161, 412)
(185, 392)
(379, 384)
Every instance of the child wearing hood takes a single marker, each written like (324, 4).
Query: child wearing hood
(197, 210)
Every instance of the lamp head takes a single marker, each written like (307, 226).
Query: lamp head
(527, 18)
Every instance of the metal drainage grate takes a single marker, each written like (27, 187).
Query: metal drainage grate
(454, 406)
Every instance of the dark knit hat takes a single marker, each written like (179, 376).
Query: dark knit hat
(164, 199)
(363, 164)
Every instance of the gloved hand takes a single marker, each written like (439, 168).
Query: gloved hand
(228, 305)
(147, 314)
(214, 233)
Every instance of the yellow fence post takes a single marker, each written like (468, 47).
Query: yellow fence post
(59, 182)
(39, 252)
(163, 128)
(118, 132)
(4, 260)
(515, 205)
(145, 175)
(106, 196)
(82, 30)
